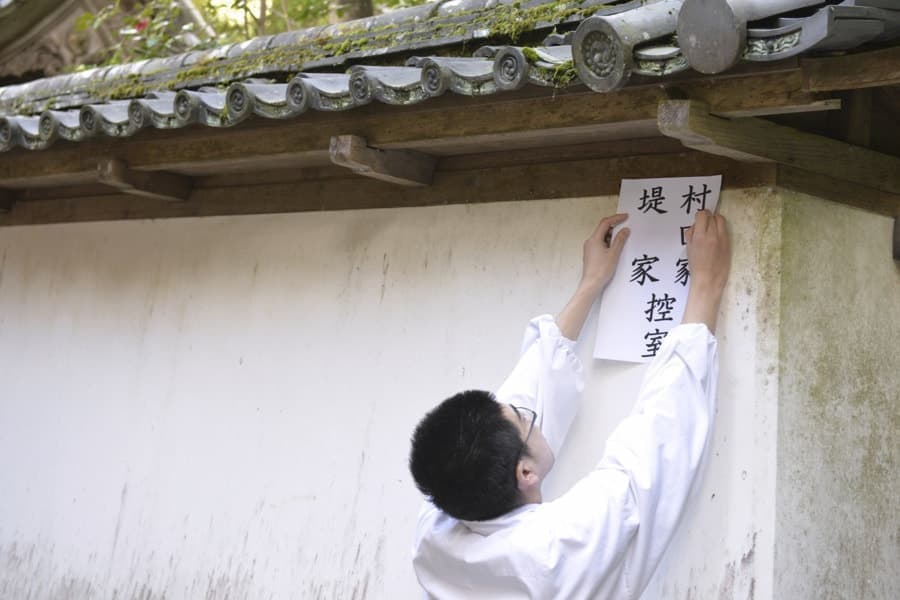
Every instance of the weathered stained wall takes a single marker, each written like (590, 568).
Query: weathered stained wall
(222, 407)
(838, 524)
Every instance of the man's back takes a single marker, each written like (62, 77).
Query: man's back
(604, 537)
(501, 558)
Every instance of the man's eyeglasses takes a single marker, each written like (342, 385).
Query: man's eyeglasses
(519, 410)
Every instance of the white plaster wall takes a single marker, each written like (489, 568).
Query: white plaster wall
(838, 525)
(221, 407)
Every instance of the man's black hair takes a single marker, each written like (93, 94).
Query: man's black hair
(464, 455)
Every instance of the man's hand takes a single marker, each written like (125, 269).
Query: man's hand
(602, 255)
(709, 260)
(600, 259)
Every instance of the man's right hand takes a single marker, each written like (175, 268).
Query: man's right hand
(709, 258)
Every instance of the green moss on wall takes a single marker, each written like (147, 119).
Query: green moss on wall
(838, 417)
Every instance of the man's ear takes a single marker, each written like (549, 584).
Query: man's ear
(526, 477)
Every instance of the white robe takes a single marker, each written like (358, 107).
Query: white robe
(605, 536)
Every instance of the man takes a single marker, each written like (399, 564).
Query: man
(481, 457)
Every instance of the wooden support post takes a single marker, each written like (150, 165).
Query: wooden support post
(859, 118)
(853, 123)
(897, 238)
(159, 185)
(758, 140)
(405, 167)
(7, 200)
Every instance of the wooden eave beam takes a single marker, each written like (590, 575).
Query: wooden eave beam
(441, 126)
(432, 124)
(403, 167)
(758, 140)
(158, 185)
(838, 190)
(852, 71)
(468, 183)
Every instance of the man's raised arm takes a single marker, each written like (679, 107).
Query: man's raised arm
(601, 255)
(623, 514)
(548, 376)
(709, 260)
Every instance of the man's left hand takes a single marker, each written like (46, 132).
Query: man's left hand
(601, 253)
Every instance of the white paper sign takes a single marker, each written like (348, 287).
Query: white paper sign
(646, 297)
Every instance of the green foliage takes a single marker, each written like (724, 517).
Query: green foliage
(276, 16)
(150, 30)
(255, 18)
(157, 28)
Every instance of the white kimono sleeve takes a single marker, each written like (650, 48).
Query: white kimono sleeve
(547, 379)
(614, 525)
(661, 445)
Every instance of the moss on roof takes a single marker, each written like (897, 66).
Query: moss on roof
(318, 48)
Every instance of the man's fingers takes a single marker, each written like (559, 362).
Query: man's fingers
(701, 221)
(619, 242)
(721, 227)
(606, 224)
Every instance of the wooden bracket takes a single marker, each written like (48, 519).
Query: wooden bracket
(156, 184)
(405, 167)
(757, 140)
